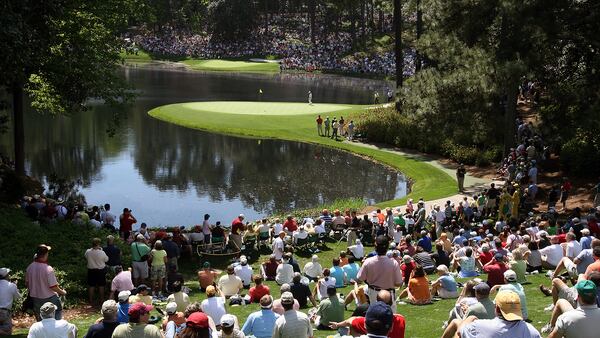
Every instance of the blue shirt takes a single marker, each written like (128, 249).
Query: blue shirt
(351, 271)
(448, 283)
(338, 274)
(586, 242)
(458, 240)
(260, 324)
(123, 313)
(425, 243)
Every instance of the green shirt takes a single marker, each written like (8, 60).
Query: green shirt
(519, 267)
(331, 310)
(132, 330)
(484, 309)
(138, 250)
(399, 220)
(158, 257)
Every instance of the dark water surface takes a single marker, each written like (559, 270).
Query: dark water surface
(172, 175)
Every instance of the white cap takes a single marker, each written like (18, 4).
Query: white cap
(243, 259)
(4, 272)
(124, 295)
(171, 308)
(227, 320)
(510, 275)
(241, 216)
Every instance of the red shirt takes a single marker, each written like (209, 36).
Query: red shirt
(271, 269)
(406, 270)
(126, 221)
(237, 226)
(398, 326)
(495, 273)
(290, 225)
(319, 120)
(257, 292)
(485, 257)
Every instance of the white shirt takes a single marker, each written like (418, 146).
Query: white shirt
(285, 273)
(214, 307)
(299, 235)
(278, 247)
(581, 322)
(277, 228)
(96, 258)
(323, 284)
(357, 250)
(107, 217)
(397, 236)
(263, 227)
(197, 237)
(230, 285)
(52, 328)
(573, 249)
(440, 216)
(8, 294)
(319, 229)
(95, 224)
(313, 269)
(245, 273)
(553, 253)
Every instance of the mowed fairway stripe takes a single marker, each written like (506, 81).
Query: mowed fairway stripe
(263, 108)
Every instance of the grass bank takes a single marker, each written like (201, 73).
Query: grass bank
(230, 65)
(296, 122)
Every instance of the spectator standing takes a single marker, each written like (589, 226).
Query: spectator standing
(159, 267)
(42, 284)
(121, 282)
(126, 222)
(460, 177)
(172, 249)
(237, 226)
(139, 256)
(96, 270)
(380, 272)
(113, 252)
(9, 293)
(107, 218)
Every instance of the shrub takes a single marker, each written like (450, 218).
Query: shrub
(68, 242)
(581, 155)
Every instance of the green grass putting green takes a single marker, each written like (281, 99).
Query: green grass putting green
(205, 65)
(296, 122)
(232, 66)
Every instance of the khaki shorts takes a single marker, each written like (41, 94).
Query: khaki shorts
(158, 272)
(568, 294)
(140, 269)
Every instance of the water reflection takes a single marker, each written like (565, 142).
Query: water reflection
(169, 174)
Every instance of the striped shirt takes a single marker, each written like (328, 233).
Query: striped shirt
(292, 324)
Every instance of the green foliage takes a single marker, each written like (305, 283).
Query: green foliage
(581, 154)
(231, 19)
(68, 243)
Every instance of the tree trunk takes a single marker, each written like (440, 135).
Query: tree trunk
(381, 18)
(418, 59)
(510, 113)
(19, 128)
(363, 20)
(352, 25)
(311, 11)
(398, 51)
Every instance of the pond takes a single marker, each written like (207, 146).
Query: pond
(172, 175)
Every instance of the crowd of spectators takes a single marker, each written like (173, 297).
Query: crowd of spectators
(332, 51)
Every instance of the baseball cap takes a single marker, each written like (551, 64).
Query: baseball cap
(586, 288)
(407, 259)
(138, 309)
(206, 265)
(287, 298)
(109, 307)
(227, 320)
(243, 260)
(171, 308)
(510, 275)
(197, 320)
(47, 309)
(142, 287)
(499, 256)
(381, 312)
(42, 249)
(482, 288)
(509, 304)
(124, 295)
(4, 272)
